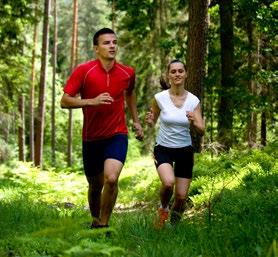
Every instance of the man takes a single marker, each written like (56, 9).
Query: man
(103, 85)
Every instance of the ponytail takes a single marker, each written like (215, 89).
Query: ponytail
(163, 84)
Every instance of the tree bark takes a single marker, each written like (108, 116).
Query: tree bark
(225, 111)
(32, 89)
(197, 47)
(73, 64)
(43, 74)
(264, 88)
(162, 21)
(252, 87)
(263, 128)
(21, 128)
(54, 63)
(113, 14)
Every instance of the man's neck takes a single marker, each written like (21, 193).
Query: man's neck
(107, 64)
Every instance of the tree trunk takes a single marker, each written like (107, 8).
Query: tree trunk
(162, 20)
(21, 128)
(113, 14)
(252, 87)
(225, 112)
(41, 107)
(263, 128)
(54, 63)
(32, 88)
(73, 64)
(197, 47)
(264, 88)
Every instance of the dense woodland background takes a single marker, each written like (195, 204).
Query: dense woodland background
(230, 48)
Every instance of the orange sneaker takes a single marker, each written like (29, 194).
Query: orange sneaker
(162, 218)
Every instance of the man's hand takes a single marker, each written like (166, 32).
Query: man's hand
(103, 98)
(138, 131)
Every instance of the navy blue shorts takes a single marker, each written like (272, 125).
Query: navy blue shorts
(97, 151)
(182, 159)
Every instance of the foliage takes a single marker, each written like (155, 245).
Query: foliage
(15, 16)
(234, 212)
(150, 33)
(90, 19)
(261, 18)
(5, 151)
(13, 81)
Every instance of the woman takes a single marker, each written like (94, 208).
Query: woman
(179, 111)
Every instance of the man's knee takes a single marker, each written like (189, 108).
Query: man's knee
(93, 188)
(111, 180)
(95, 184)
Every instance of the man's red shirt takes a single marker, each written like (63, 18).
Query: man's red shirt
(89, 80)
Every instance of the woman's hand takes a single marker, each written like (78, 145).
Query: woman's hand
(149, 118)
(196, 120)
(190, 116)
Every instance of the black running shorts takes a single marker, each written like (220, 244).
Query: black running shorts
(182, 159)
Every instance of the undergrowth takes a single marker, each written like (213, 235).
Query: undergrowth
(233, 211)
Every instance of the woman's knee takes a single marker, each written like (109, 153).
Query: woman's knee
(168, 184)
(180, 197)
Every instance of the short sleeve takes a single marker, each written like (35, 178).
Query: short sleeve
(74, 82)
(159, 98)
(131, 83)
(195, 101)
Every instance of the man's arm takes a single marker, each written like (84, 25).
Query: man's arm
(131, 102)
(72, 102)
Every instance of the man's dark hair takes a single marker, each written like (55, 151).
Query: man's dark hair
(101, 32)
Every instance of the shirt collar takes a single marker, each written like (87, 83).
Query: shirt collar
(100, 65)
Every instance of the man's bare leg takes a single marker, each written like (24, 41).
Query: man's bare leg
(94, 195)
(112, 170)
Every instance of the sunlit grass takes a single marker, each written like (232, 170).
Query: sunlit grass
(234, 211)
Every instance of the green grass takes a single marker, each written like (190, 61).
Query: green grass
(234, 213)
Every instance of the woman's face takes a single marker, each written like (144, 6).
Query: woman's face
(177, 74)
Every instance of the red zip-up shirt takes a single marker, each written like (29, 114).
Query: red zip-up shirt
(89, 80)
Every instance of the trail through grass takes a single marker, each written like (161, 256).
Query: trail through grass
(233, 211)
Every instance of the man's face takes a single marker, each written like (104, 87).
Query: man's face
(107, 46)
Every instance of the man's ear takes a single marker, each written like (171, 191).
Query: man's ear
(95, 48)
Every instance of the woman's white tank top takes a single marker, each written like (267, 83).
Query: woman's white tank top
(173, 124)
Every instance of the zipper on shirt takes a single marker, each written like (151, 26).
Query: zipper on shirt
(107, 80)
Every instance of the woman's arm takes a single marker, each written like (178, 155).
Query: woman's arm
(153, 114)
(196, 120)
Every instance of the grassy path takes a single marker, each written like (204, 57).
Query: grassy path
(234, 213)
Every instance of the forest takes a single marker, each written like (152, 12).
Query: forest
(230, 49)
